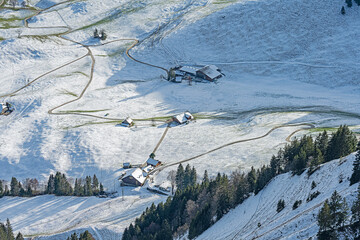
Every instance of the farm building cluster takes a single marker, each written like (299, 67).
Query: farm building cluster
(209, 73)
(137, 176)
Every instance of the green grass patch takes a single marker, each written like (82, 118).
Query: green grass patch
(114, 14)
(162, 119)
(120, 51)
(84, 111)
(67, 92)
(321, 129)
(71, 74)
(41, 38)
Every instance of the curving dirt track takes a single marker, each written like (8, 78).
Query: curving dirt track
(61, 35)
(309, 126)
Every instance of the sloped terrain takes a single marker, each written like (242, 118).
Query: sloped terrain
(286, 63)
(301, 223)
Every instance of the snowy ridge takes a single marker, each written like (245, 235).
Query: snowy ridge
(242, 222)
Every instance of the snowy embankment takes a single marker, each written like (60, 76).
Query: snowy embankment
(243, 222)
(105, 218)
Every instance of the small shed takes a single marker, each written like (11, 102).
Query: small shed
(6, 108)
(135, 177)
(126, 165)
(153, 162)
(128, 122)
(183, 118)
(209, 72)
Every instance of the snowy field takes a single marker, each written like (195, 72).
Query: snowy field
(286, 62)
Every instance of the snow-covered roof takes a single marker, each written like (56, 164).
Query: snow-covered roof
(152, 162)
(183, 117)
(189, 69)
(147, 169)
(138, 174)
(211, 71)
(127, 121)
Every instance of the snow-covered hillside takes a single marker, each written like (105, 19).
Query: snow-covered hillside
(286, 62)
(301, 223)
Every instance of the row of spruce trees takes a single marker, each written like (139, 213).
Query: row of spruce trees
(6, 232)
(60, 186)
(196, 206)
(57, 184)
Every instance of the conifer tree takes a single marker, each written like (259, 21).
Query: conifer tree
(324, 217)
(87, 187)
(1, 189)
(355, 209)
(322, 142)
(342, 143)
(343, 10)
(252, 179)
(187, 176)
(348, 3)
(101, 189)
(338, 210)
(193, 176)
(19, 236)
(9, 231)
(180, 177)
(86, 236)
(357, 2)
(206, 179)
(77, 188)
(355, 177)
(3, 234)
(29, 192)
(50, 189)
(95, 185)
(280, 205)
(14, 187)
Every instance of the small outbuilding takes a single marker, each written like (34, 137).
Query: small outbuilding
(209, 72)
(183, 118)
(128, 122)
(6, 108)
(153, 162)
(135, 177)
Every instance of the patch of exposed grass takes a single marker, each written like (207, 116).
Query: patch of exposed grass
(321, 129)
(162, 119)
(119, 51)
(71, 74)
(84, 111)
(114, 15)
(41, 38)
(67, 92)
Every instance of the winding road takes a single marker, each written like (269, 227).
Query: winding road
(93, 60)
